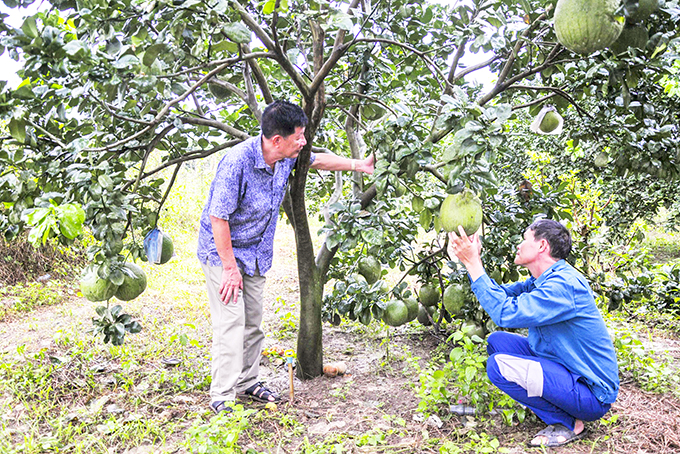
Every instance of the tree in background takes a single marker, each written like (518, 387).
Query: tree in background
(116, 92)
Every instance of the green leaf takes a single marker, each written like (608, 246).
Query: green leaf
(76, 49)
(126, 61)
(30, 28)
(71, 218)
(152, 52)
(105, 181)
(17, 129)
(372, 236)
(237, 32)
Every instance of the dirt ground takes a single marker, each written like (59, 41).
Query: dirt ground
(375, 392)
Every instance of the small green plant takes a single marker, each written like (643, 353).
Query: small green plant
(650, 374)
(27, 296)
(464, 377)
(113, 323)
(219, 435)
(476, 442)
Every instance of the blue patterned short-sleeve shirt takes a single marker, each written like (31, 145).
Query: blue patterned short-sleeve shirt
(247, 193)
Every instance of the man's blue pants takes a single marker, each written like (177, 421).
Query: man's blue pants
(546, 387)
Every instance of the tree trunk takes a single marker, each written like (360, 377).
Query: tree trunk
(309, 343)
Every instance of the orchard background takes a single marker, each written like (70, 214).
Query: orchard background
(123, 111)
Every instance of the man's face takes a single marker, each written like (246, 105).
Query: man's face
(290, 146)
(529, 249)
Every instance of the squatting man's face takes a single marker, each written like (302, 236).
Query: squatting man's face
(528, 250)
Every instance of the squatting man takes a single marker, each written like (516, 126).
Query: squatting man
(565, 371)
(236, 245)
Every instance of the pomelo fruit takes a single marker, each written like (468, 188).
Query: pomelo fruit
(601, 159)
(167, 249)
(635, 37)
(470, 328)
(586, 26)
(463, 208)
(93, 287)
(369, 267)
(396, 313)
(134, 282)
(428, 295)
(550, 122)
(454, 298)
(422, 315)
(412, 306)
(645, 9)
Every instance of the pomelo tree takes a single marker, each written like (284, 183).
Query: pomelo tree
(111, 86)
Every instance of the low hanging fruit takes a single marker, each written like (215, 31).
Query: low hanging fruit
(369, 267)
(396, 313)
(94, 288)
(428, 295)
(635, 37)
(586, 26)
(134, 282)
(463, 208)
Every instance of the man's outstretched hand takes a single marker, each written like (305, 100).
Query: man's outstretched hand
(467, 249)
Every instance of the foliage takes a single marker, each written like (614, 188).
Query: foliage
(113, 323)
(28, 296)
(463, 379)
(220, 434)
(651, 374)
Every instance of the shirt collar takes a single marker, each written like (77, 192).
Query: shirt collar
(259, 158)
(558, 265)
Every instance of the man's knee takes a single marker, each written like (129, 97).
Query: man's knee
(495, 342)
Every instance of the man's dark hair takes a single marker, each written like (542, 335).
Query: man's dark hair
(555, 234)
(281, 118)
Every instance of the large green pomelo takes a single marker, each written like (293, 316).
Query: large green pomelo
(220, 92)
(422, 315)
(645, 9)
(369, 267)
(167, 249)
(550, 122)
(428, 295)
(471, 328)
(396, 313)
(454, 298)
(635, 37)
(585, 26)
(463, 209)
(95, 288)
(134, 282)
(412, 306)
(601, 159)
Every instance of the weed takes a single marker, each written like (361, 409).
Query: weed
(220, 434)
(27, 296)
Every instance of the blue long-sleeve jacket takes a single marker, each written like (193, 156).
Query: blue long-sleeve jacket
(564, 323)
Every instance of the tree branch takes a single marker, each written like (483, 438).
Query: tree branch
(286, 65)
(259, 76)
(251, 99)
(371, 98)
(556, 91)
(52, 137)
(216, 124)
(423, 55)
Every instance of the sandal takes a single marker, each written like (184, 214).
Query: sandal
(260, 393)
(220, 407)
(557, 435)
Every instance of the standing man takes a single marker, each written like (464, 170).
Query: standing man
(236, 245)
(565, 371)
